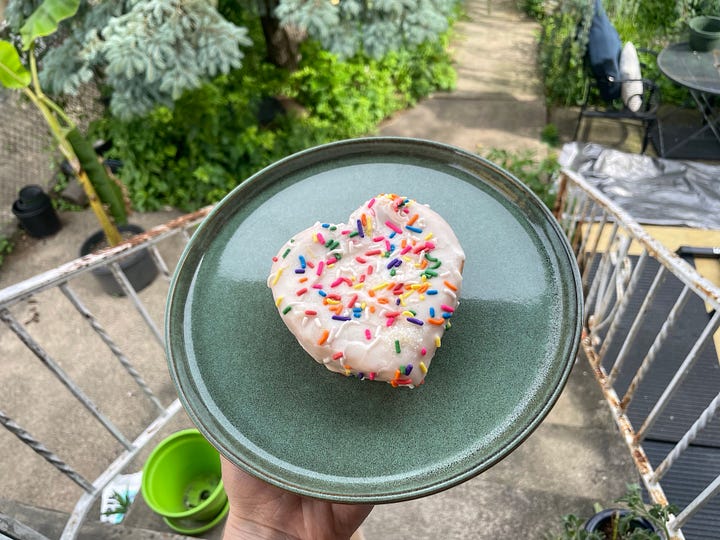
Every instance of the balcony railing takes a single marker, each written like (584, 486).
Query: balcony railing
(648, 334)
(62, 279)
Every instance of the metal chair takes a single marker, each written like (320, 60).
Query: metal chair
(593, 106)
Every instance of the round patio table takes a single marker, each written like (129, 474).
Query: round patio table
(698, 72)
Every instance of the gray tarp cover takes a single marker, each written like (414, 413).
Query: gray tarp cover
(653, 191)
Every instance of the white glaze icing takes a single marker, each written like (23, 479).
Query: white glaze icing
(355, 294)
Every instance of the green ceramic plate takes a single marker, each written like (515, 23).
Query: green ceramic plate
(268, 407)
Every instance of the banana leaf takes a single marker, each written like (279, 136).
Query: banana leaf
(46, 18)
(12, 73)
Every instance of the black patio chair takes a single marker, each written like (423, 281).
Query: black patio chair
(595, 106)
(605, 85)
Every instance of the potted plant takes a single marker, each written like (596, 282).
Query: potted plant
(632, 520)
(105, 194)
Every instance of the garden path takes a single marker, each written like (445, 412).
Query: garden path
(498, 101)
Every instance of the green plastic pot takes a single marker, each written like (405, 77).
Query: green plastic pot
(182, 480)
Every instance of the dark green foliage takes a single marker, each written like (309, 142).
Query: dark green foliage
(624, 527)
(120, 503)
(361, 92)
(572, 529)
(648, 25)
(211, 140)
(59, 184)
(656, 514)
(563, 40)
(534, 8)
(550, 135)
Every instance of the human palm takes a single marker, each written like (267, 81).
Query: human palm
(260, 510)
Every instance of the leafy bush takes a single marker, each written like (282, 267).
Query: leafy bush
(356, 95)
(623, 526)
(563, 41)
(534, 8)
(550, 135)
(189, 156)
(212, 139)
(564, 33)
(537, 174)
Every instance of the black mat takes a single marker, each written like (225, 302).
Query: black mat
(701, 384)
(701, 147)
(696, 468)
(702, 460)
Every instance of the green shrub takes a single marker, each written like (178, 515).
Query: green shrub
(536, 173)
(648, 25)
(354, 96)
(623, 525)
(211, 140)
(563, 41)
(357, 94)
(533, 8)
(550, 135)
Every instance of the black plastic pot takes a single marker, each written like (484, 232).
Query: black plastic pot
(35, 211)
(602, 519)
(139, 267)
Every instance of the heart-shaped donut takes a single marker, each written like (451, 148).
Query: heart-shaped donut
(371, 298)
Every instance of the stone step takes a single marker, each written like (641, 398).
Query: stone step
(50, 524)
(496, 55)
(493, 121)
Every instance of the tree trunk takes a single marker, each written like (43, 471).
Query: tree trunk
(282, 50)
(281, 46)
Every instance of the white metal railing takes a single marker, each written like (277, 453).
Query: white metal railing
(603, 236)
(61, 278)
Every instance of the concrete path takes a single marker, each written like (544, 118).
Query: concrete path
(498, 101)
(573, 459)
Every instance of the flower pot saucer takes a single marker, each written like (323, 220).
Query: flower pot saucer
(192, 526)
